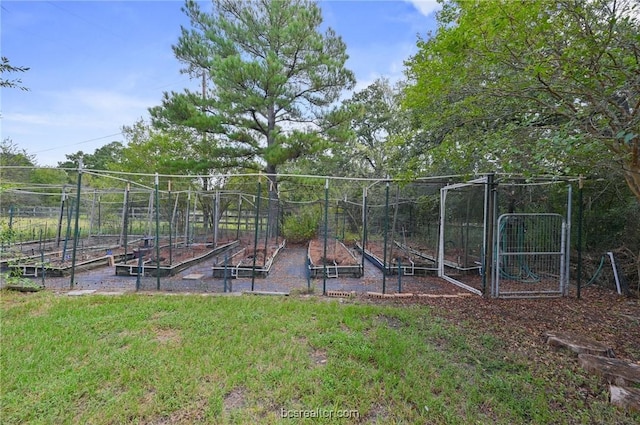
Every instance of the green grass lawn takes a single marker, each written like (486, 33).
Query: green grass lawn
(194, 359)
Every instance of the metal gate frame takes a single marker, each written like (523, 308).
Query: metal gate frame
(491, 256)
(441, 263)
(502, 256)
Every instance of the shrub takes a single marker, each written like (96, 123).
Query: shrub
(303, 226)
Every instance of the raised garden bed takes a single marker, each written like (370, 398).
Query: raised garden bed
(181, 256)
(25, 288)
(244, 261)
(56, 250)
(339, 260)
(407, 260)
(54, 266)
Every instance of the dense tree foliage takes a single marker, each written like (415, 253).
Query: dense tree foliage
(18, 170)
(149, 150)
(540, 87)
(100, 159)
(12, 156)
(375, 118)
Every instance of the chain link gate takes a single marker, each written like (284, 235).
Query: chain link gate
(530, 255)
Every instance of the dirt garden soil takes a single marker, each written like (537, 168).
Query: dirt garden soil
(336, 253)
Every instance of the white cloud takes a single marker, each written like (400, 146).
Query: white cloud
(374, 62)
(425, 7)
(30, 119)
(81, 108)
(61, 121)
(103, 100)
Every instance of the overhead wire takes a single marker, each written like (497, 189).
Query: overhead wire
(78, 143)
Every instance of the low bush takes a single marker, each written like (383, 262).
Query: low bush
(303, 226)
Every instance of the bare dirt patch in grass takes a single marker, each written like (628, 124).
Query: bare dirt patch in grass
(378, 414)
(319, 357)
(167, 335)
(188, 415)
(236, 399)
(600, 315)
(390, 322)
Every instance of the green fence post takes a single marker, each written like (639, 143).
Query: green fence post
(239, 216)
(157, 205)
(399, 275)
(386, 231)
(226, 263)
(326, 230)
(170, 225)
(364, 225)
(125, 220)
(307, 264)
(77, 224)
(139, 269)
(42, 270)
(580, 217)
(255, 237)
(67, 233)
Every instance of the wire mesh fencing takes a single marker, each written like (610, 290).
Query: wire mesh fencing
(532, 238)
(147, 229)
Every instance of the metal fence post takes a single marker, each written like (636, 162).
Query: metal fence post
(76, 226)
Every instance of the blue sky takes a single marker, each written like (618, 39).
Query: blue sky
(98, 65)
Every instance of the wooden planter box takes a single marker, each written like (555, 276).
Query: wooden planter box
(240, 264)
(340, 261)
(150, 268)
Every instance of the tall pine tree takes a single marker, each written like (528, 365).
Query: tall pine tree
(270, 80)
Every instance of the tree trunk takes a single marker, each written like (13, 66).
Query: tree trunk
(632, 176)
(272, 175)
(273, 202)
(629, 152)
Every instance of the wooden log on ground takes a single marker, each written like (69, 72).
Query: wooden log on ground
(577, 344)
(626, 398)
(269, 293)
(615, 371)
